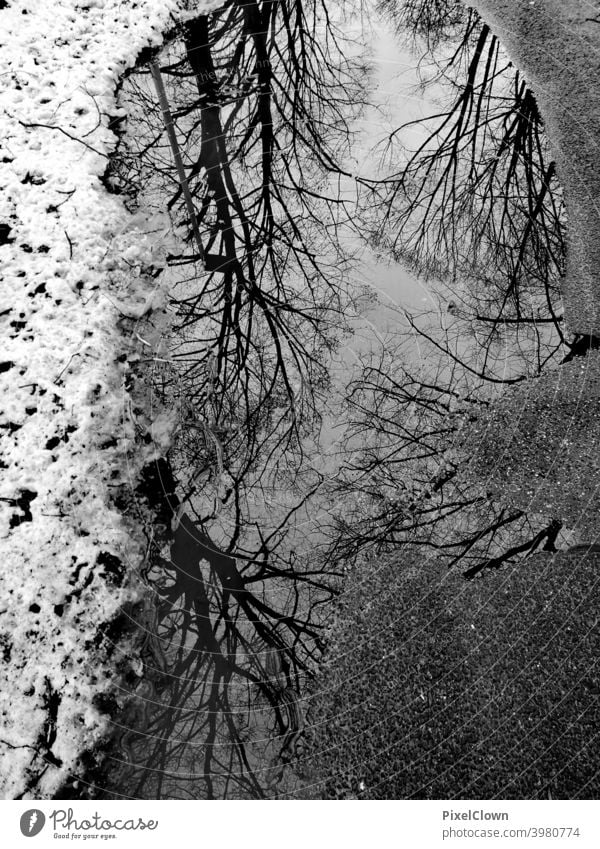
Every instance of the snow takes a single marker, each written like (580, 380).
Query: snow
(80, 311)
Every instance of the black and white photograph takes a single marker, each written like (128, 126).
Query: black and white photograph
(299, 410)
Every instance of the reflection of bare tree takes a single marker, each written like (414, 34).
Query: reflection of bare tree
(228, 652)
(262, 102)
(476, 201)
(261, 98)
(406, 479)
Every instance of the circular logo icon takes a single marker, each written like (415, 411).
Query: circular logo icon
(32, 822)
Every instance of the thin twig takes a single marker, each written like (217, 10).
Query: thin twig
(170, 128)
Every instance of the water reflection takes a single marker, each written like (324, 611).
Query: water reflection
(265, 100)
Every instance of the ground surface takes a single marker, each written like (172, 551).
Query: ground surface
(538, 448)
(441, 688)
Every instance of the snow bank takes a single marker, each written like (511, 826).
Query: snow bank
(80, 313)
